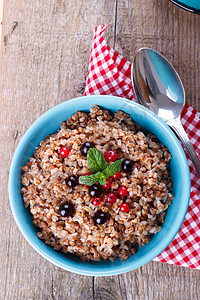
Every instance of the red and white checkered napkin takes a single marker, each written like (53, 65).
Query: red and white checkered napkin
(110, 74)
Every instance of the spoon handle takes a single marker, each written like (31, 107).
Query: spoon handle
(178, 128)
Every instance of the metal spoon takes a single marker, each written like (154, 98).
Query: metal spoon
(158, 87)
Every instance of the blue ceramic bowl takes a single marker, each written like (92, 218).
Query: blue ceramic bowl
(49, 123)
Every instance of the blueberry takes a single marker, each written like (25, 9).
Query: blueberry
(100, 217)
(127, 165)
(72, 181)
(95, 190)
(85, 147)
(66, 209)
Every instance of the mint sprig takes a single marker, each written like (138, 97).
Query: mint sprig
(100, 167)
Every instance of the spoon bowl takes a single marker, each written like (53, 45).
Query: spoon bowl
(158, 87)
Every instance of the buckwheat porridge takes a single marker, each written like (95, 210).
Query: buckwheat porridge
(99, 187)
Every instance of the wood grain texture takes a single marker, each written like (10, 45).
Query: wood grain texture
(1, 17)
(44, 61)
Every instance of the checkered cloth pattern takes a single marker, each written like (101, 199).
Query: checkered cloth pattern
(110, 74)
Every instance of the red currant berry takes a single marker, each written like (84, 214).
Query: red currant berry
(111, 198)
(107, 185)
(122, 191)
(110, 155)
(124, 207)
(86, 174)
(64, 151)
(117, 175)
(96, 201)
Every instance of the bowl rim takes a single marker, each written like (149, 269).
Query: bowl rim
(186, 7)
(148, 257)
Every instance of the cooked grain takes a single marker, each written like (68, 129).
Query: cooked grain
(149, 187)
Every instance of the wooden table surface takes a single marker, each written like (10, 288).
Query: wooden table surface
(44, 59)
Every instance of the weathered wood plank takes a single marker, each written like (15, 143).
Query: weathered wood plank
(1, 17)
(173, 32)
(45, 59)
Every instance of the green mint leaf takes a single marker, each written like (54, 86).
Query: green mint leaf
(89, 179)
(112, 169)
(102, 179)
(96, 160)
(98, 175)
